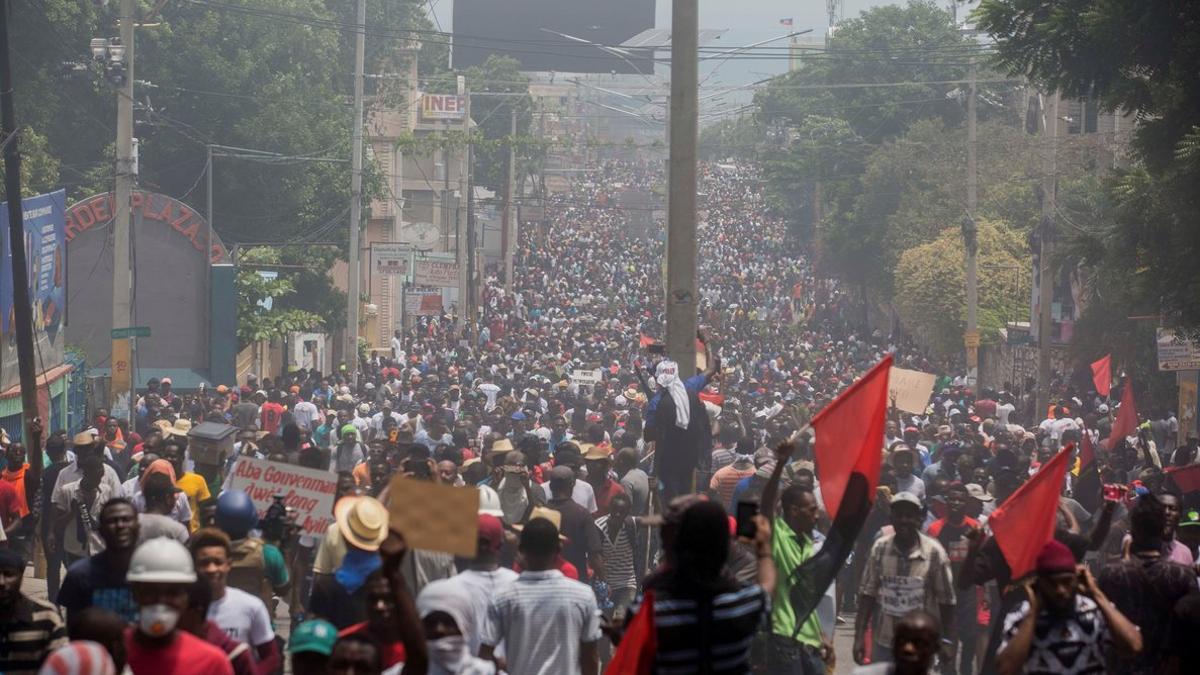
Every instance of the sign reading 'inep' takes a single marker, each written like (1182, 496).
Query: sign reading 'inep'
(443, 107)
(308, 491)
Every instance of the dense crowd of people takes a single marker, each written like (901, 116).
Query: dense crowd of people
(620, 495)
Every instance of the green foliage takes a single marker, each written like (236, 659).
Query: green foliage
(39, 169)
(930, 285)
(256, 322)
(739, 137)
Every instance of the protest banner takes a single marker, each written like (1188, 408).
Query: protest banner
(435, 517)
(910, 389)
(309, 491)
(586, 376)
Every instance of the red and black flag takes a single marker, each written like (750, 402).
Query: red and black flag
(848, 451)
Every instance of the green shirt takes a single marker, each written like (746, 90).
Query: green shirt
(789, 551)
(276, 570)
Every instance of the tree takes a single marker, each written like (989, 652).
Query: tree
(930, 283)
(262, 314)
(1136, 57)
(39, 169)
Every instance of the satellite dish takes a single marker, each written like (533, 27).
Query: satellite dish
(420, 235)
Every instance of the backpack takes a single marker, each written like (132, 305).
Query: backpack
(248, 569)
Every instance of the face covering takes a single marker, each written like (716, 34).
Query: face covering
(447, 653)
(157, 620)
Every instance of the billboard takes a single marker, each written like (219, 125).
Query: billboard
(46, 263)
(436, 273)
(423, 302)
(515, 28)
(443, 107)
(390, 259)
(1177, 351)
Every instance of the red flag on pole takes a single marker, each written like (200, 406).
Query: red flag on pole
(1126, 417)
(850, 436)
(1102, 375)
(1186, 478)
(1087, 453)
(635, 654)
(1025, 521)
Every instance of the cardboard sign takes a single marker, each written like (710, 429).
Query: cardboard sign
(309, 491)
(435, 517)
(910, 389)
(587, 376)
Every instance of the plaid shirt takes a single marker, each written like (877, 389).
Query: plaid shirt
(901, 582)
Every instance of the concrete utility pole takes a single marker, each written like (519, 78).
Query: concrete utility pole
(462, 244)
(509, 219)
(681, 214)
(122, 382)
(22, 310)
(971, 337)
(1046, 287)
(354, 280)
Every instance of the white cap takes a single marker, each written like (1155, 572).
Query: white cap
(489, 502)
(907, 498)
(161, 561)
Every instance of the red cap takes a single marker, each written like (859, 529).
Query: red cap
(491, 531)
(1055, 558)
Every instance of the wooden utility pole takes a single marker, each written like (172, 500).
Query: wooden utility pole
(354, 273)
(970, 240)
(1045, 275)
(22, 310)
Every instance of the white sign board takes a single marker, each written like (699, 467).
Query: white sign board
(1177, 352)
(910, 389)
(309, 491)
(436, 273)
(390, 259)
(423, 302)
(587, 376)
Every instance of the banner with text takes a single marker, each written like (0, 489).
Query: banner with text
(909, 390)
(390, 259)
(423, 302)
(436, 273)
(1177, 351)
(308, 491)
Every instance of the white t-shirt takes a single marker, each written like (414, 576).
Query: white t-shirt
(1003, 410)
(582, 494)
(242, 616)
(482, 586)
(489, 390)
(306, 414)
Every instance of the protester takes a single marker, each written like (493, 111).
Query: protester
(30, 628)
(915, 647)
(310, 646)
(100, 579)
(241, 615)
(1065, 624)
(161, 574)
(195, 620)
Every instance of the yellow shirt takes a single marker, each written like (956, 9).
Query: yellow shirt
(196, 489)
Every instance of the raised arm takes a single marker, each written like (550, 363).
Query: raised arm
(770, 494)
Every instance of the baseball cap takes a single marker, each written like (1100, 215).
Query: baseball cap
(977, 491)
(907, 498)
(491, 531)
(314, 635)
(1190, 518)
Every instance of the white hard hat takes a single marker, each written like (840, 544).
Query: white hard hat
(489, 502)
(161, 561)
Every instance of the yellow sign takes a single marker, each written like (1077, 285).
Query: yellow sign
(971, 339)
(1187, 403)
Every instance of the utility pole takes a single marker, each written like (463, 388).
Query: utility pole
(22, 311)
(1046, 287)
(681, 214)
(462, 244)
(971, 241)
(509, 219)
(354, 280)
(122, 381)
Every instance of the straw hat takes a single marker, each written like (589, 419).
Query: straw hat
(502, 445)
(180, 428)
(362, 521)
(548, 514)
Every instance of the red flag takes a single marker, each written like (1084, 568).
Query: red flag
(645, 341)
(1102, 375)
(850, 435)
(1087, 453)
(1025, 521)
(635, 654)
(1126, 417)
(1186, 478)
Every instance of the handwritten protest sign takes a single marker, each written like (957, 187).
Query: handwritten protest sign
(910, 389)
(309, 491)
(435, 517)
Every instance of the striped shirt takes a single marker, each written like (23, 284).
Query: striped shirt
(543, 617)
(618, 555)
(34, 631)
(691, 633)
